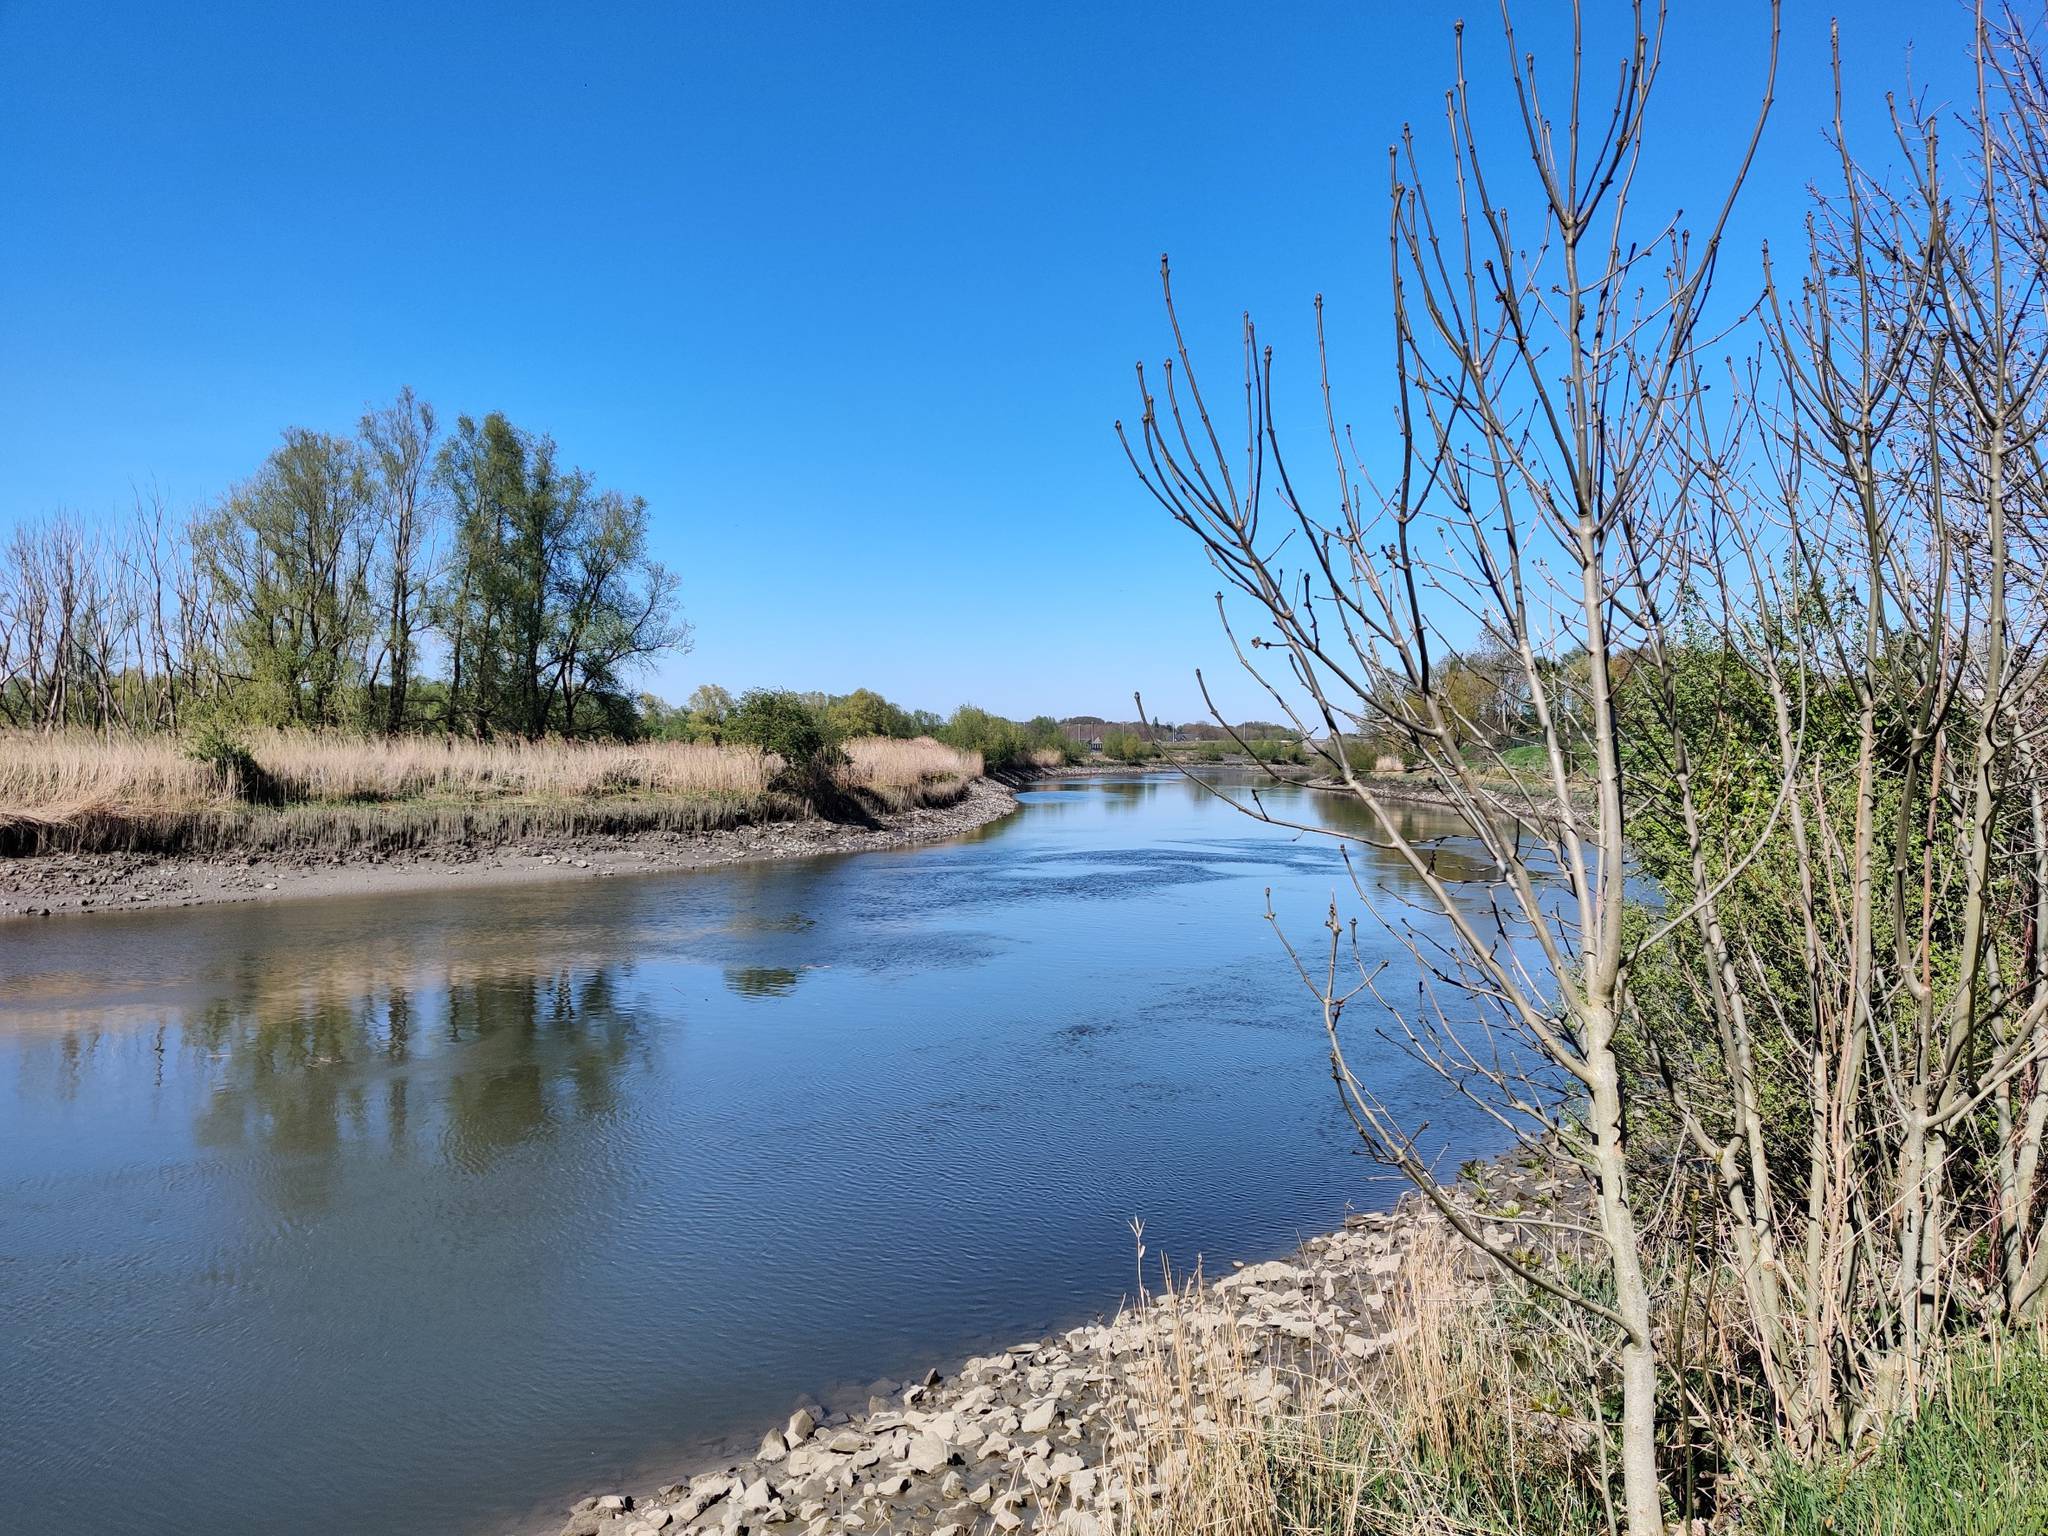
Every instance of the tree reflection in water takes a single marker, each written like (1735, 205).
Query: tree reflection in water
(467, 1070)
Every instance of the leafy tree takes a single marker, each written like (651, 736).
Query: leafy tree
(287, 557)
(399, 443)
(864, 712)
(779, 721)
(552, 594)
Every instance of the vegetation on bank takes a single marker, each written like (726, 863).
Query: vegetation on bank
(1760, 948)
(70, 792)
(1490, 1416)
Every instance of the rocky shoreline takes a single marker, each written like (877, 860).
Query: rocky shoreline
(46, 885)
(1042, 1437)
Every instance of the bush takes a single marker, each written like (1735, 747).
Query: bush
(1277, 749)
(227, 755)
(1128, 747)
(778, 721)
(1004, 744)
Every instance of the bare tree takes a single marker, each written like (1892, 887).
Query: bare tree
(1765, 632)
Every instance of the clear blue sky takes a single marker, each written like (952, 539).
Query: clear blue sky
(851, 293)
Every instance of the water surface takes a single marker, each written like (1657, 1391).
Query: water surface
(431, 1212)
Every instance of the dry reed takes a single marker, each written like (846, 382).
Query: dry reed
(76, 792)
(1439, 1432)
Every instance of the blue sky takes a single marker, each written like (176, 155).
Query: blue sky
(851, 293)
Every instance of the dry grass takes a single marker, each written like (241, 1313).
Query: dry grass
(905, 773)
(1453, 1428)
(74, 792)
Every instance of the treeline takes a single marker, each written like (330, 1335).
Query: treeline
(797, 724)
(394, 579)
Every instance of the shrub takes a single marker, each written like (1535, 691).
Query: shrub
(778, 721)
(1277, 749)
(1128, 747)
(230, 758)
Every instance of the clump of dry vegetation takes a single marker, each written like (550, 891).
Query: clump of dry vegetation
(1491, 1413)
(901, 774)
(74, 792)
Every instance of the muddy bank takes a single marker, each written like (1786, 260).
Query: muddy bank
(53, 884)
(1044, 1436)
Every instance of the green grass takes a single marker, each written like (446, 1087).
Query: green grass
(1974, 1463)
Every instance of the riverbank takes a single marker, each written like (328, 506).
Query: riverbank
(1077, 1432)
(53, 884)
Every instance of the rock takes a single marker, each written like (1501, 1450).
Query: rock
(615, 1503)
(928, 1453)
(587, 1523)
(801, 1423)
(773, 1447)
(757, 1496)
(1039, 1416)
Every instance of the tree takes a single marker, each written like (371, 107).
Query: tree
(1541, 395)
(864, 712)
(400, 442)
(552, 594)
(1781, 626)
(288, 557)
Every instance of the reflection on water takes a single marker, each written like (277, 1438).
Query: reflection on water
(761, 980)
(412, 1213)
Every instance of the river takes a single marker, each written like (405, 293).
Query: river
(429, 1213)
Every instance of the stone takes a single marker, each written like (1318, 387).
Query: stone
(1038, 1417)
(928, 1453)
(773, 1447)
(586, 1522)
(801, 1424)
(615, 1503)
(757, 1495)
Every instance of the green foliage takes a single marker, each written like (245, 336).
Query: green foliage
(229, 756)
(1127, 747)
(1277, 749)
(1973, 1463)
(1004, 744)
(779, 721)
(287, 560)
(864, 712)
(1212, 751)
(551, 591)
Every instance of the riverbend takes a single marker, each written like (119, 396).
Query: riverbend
(437, 1211)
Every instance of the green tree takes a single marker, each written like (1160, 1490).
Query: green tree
(287, 556)
(552, 594)
(399, 443)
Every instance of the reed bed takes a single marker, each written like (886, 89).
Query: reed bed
(1491, 1415)
(905, 773)
(80, 793)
